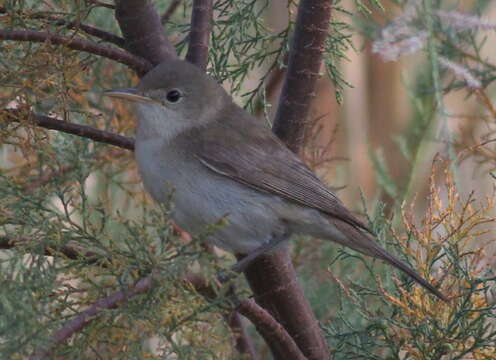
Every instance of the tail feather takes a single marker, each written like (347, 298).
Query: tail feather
(410, 272)
(358, 240)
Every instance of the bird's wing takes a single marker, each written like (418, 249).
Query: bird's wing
(258, 159)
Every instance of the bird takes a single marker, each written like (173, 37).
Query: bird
(194, 143)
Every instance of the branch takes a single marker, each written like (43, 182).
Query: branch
(170, 11)
(141, 26)
(70, 252)
(273, 333)
(201, 27)
(244, 343)
(305, 58)
(90, 30)
(48, 175)
(269, 328)
(141, 66)
(273, 280)
(272, 276)
(84, 131)
(84, 318)
(101, 4)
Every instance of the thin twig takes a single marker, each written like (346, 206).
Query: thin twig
(84, 318)
(201, 27)
(48, 176)
(85, 131)
(170, 11)
(466, 54)
(101, 4)
(487, 101)
(140, 65)
(68, 251)
(90, 30)
(59, 173)
(272, 83)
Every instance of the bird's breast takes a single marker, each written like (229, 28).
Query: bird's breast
(153, 169)
(198, 195)
(201, 197)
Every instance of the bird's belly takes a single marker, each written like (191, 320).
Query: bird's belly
(205, 199)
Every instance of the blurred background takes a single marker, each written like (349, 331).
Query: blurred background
(379, 112)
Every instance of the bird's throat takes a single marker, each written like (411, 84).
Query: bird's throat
(156, 122)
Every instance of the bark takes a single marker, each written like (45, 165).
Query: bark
(305, 58)
(272, 277)
(141, 27)
(138, 64)
(244, 343)
(85, 131)
(272, 332)
(201, 27)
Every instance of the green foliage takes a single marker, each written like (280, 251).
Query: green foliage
(339, 42)
(372, 323)
(125, 245)
(411, 323)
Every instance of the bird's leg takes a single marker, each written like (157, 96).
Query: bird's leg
(242, 264)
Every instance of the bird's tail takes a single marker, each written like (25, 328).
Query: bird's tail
(358, 240)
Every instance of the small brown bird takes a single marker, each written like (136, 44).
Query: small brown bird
(218, 161)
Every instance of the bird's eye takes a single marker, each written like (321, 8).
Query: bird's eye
(173, 96)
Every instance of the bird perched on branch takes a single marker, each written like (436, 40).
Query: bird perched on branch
(193, 141)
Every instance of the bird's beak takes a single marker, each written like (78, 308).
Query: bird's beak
(128, 94)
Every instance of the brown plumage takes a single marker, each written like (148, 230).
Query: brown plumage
(258, 159)
(219, 161)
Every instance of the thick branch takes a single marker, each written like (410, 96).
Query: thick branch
(141, 26)
(85, 131)
(272, 277)
(201, 27)
(305, 58)
(273, 333)
(273, 280)
(138, 64)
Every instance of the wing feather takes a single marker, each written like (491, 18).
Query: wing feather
(258, 159)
